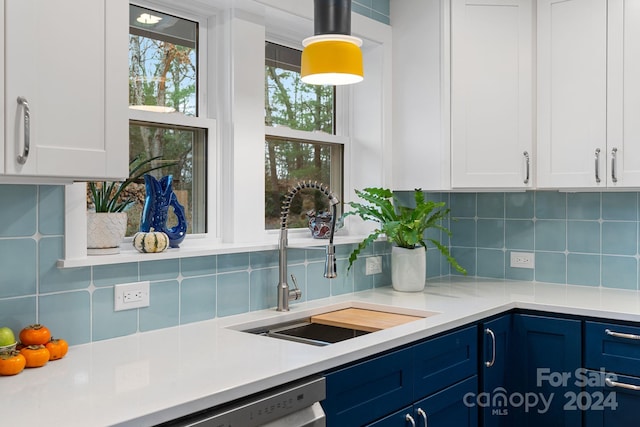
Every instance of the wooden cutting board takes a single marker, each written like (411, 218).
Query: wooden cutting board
(363, 320)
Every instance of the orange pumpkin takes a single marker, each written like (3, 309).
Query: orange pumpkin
(35, 355)
(35, 335)
(12, 363)
(57, 348)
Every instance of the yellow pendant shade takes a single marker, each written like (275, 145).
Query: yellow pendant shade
(332, 60)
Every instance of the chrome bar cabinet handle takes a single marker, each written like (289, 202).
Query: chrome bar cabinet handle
(409, 418)
(614, 160)
(621, 335)
(528, 163)
(611, 383)
(22, 158)
(598, 165)
(423, 415)
(490, 363)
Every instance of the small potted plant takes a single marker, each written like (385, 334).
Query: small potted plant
(405, 228)
(107, 217)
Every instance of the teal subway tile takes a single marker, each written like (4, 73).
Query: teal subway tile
(551, 267)
(583, 206)
(463, 205)
(550, 235)
(384, 278)
(436, 197)
(344, 283)
(163, 310)
(519, 234)
(434, 262)
(228, 263)
(620, 206)
(490, 263)
(463, 233)
(381, 6)
(380, 17)
(197, 299)
(513, 273)
(551, 205)
(619, 272)
(166, 269)
(115, 274)
(344, 251)
(316, 253)
(619, 238)
(52, 278)
(296, 255)
(466, 257)
(67, 315)
(264, 259)
(233, 293)
(491, 205)
(583, 236)
(361, 281)
(583, 269)
(199, 266)
(51, 209)
(361, 10)
(490, 233)
(264, 287)
(363, 3)
(18, 266)
(15, 313)
(381, 248)
(405, 198)
(108, 323)
(519, 205)
(18, 214)
(317, 286)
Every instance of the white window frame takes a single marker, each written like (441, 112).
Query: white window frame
(235, 34)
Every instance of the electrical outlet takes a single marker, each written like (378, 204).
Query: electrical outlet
(373, 265)
(523, 260)
(131, 295)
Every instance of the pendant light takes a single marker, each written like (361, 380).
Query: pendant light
(332, 56)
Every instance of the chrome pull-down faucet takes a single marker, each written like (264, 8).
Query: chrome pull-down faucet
(284, 293)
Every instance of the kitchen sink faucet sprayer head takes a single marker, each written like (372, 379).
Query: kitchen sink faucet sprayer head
(284, 293)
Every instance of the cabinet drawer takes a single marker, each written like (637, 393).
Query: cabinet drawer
(366, 391)
(443, 361)
(616, 350)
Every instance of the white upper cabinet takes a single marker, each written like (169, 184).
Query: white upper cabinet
(572, 93)
(623, 106)
(491, 94)
(65, 89)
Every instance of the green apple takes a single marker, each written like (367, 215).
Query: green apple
(6, 336)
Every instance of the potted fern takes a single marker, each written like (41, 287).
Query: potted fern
(405, 228)
(107, 216)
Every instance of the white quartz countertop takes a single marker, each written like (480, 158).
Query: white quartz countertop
(151, 377)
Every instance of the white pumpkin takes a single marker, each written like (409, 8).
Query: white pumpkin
(150, 241)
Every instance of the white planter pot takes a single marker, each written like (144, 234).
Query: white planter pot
(408, 269)
(105, 232)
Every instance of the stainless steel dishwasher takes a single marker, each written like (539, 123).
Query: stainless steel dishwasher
(292, 405)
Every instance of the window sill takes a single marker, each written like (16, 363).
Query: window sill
(199, 248)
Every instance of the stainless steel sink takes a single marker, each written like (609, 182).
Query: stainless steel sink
(304, 331)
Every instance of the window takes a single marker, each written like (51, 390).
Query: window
(300, 123)
(164, 110)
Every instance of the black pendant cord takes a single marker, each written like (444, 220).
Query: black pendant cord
(332, 17)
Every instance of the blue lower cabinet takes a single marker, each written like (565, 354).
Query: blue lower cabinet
(546, 368)
(497, 352)
(380, 389)
(613, 405)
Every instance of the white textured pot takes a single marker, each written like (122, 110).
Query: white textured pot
(105, 232)
(408, 269)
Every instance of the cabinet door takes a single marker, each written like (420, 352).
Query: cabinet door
(68, 60)
(491, 93)
(496, 368)
(449, 407)
(623, 105)
(609, 406)
(572, 80)
(548, 357)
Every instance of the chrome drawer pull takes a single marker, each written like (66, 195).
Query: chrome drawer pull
(526, 156)
(22, 158)
(423, 415)
(410, 419)
(609, 382)
(622, 335)
(493, 348)
(614, 153)
(597, 165)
